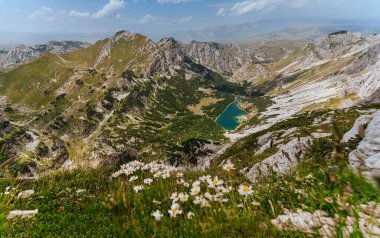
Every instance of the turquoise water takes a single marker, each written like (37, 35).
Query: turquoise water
(228, 118)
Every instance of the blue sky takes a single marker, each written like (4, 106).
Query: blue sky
(165, 17)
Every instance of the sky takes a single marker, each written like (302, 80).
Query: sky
(20, 20)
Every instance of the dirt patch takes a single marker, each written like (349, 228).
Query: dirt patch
(197, 109)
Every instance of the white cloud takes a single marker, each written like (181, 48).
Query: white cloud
(185, 20)
(150, 19)
(44, 13)
(111, 6)
(247, 6)
(79, 14)
(174, 1)
(48, 14)
(221, 12)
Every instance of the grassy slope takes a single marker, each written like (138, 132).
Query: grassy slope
(26, 84)
(64, 213)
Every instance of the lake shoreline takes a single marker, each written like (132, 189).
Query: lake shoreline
(229, 126)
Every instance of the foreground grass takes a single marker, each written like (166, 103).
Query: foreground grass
(90, 204)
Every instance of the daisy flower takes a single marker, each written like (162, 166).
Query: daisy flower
(133, 178)
(157, 215)
(205, 178)
(228, 166)
(209, 196)
(195, 190)
(196, 184)
(190, 215)
(197, 200)
(212, 183)
(175, 210)
(183, 197)
(205, 203)
(148, 181)
(174, 197)
(138, 188)
(245, 190)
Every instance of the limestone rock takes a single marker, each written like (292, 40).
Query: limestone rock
(224, 59)
(284, 160)
(23, 214)
(22, 53)
(25, 194)
(367, 154)
(357, 127)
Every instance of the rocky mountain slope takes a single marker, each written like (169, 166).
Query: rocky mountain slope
(335, 71)
(128, 93)
(22, 53)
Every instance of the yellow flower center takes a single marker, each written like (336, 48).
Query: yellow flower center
(214, 182)
(245, 189)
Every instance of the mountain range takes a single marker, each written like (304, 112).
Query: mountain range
(128, 93)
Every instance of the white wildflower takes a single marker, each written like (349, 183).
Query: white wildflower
(174, 197)
(205, 203)
(138, 188)
(157, 215)
(228, 166)
(190, 215)
(148, 181)
(196, 184)
(245, 190)
(175, 210)
(212, 183)
(133, 178)
(195, 190)
(205, 178)
(183, 197)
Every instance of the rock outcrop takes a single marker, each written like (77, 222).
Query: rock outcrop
(357, 128)
(22, 53)
(285, 159)
(171, 59)
(367, 155)
(249, 73)
(224, 59)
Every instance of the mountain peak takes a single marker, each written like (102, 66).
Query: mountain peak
(121, 34)
(169, 42)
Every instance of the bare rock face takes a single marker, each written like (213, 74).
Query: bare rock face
(284, 160)
(357, 127)
(22, 53)
(170, 59)
(367, 155)
(249, 73)
(224, 59)
(369, 58)
(335, 44)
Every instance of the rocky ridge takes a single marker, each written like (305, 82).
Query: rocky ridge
(22, 53)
